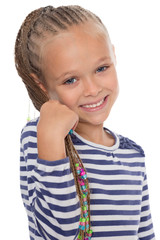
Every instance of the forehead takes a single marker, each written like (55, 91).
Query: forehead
(83, 42)
(90, 28)
(77, 33)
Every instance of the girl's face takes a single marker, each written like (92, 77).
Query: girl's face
(79, 68)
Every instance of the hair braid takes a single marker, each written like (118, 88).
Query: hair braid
(38, 26)
(23, 65)
(74, 157)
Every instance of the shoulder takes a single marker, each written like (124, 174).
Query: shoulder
(30, 129)
(126, 143)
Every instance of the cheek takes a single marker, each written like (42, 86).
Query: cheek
(69, 98)
(112, 82)
(53, 95)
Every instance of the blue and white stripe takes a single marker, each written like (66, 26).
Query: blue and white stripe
(118, 185)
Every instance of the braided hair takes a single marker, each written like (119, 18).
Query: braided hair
(38, 26)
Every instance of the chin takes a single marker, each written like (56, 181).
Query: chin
(97, 120)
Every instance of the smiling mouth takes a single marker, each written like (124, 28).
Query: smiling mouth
(94, 105)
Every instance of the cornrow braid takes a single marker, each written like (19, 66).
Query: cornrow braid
(22, 62)
(38, 26)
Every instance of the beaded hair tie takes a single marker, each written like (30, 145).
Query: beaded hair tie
(84, 225)
(84, 219)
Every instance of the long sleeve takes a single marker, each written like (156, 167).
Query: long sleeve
(145, 231)
(55, 198)
(48, 192)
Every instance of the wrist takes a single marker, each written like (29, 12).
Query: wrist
(51, 149)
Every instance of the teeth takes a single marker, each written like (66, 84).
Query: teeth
(94, 105)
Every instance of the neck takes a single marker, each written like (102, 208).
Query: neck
(94, 133)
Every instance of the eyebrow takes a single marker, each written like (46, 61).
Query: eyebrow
(102, 59)
(64, 74)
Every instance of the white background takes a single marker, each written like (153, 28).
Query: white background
(134, 27)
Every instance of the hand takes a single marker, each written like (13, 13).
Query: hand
(54, 124)
(56, 119)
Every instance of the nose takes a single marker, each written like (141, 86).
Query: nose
(91, 87)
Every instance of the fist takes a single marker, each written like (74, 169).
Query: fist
(56, 120)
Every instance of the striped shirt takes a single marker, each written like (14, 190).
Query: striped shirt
(118, 190)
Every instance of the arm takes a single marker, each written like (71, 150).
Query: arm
(50, 198)
(48, 191)
(145, 231)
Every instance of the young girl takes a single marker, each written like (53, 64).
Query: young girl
(79, 180)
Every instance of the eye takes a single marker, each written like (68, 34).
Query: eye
(70, 81)
(102, 69)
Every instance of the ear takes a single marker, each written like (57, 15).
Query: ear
(40, 84)
(114, 54)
